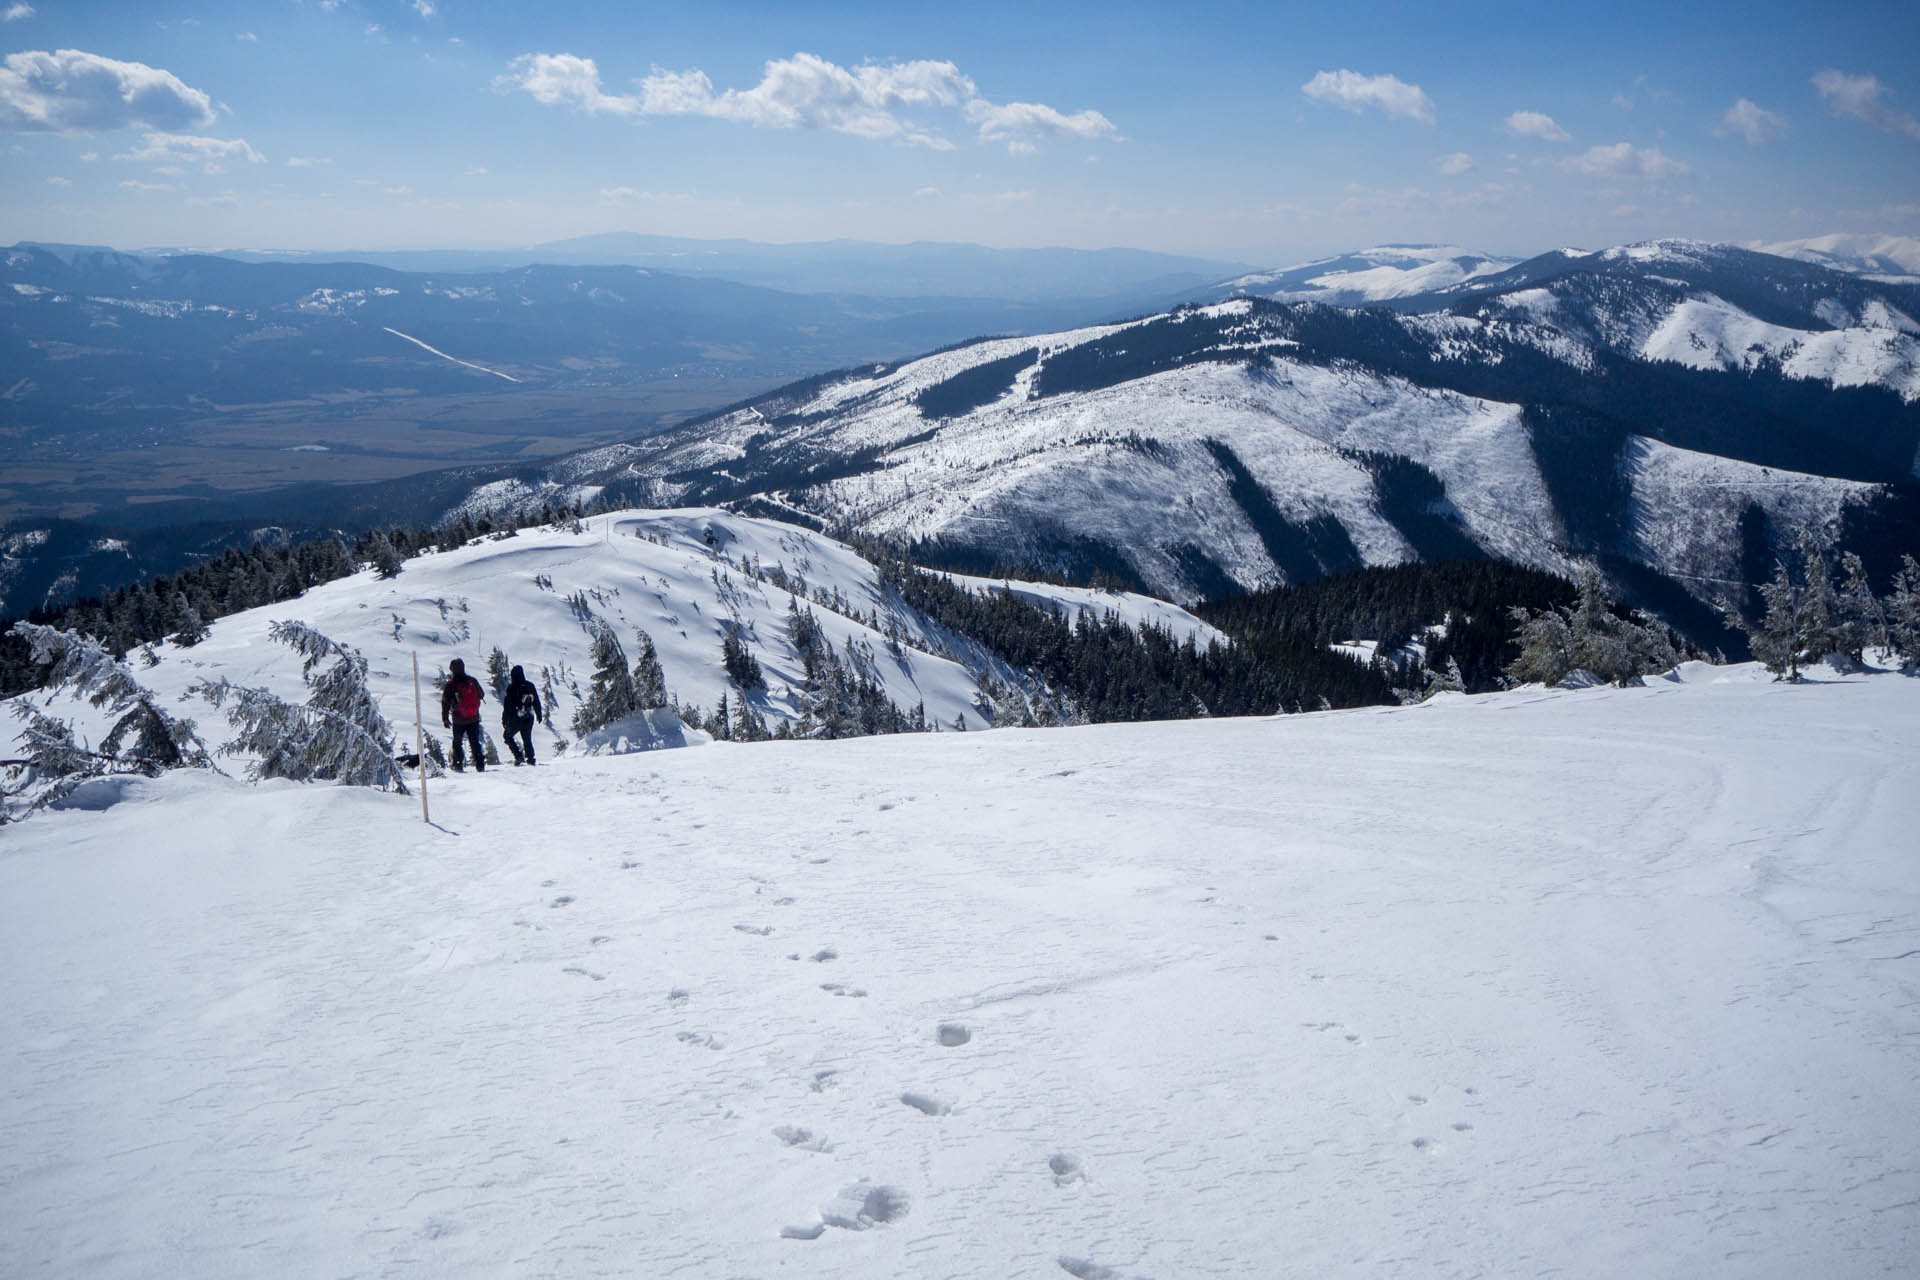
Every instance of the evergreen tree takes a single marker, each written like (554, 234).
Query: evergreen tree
(613, 695)
(742, 667)
(649, 679)
(384, 556)
(145, 737)
(1862, 622)
(1589, 636)
(191, 630)
(1903, 612)
(499, 671)
(338, 736)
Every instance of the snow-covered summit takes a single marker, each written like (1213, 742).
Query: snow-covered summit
(1365, 276)
(1893, 259)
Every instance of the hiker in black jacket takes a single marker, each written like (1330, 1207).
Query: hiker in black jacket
(460, 701)
(518, 710)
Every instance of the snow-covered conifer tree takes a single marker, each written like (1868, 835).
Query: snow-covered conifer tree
(1862, 618)
(1903, 612)
(1589, 637)
(613, 694)
(338, 736)
(499, 671)
(159, 740)
(383, 557)
(649, 679)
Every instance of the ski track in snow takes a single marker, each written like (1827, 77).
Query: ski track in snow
(1572, 984)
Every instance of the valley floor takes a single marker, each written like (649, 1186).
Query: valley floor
(1618, 982)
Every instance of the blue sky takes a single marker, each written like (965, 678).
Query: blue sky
(1263, 132)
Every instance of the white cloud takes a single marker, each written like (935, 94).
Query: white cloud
(478, 171)
(1456, 164)
(425, 8)
(561, 79)
(225, 200)
(1753, 122)
(1019, 148)
(617, 194)
(398, 191)
(75, 92)
(1622, 160)
(134, 184)
(1535, 124)
(187, 149)
(58, 181)
(809, 92)
(1033, 118)
(248, 37)
(1623, 211)
(927, 193)
(1355, 92)
(15, 12)
(90, 156)
(1859, 97)
(307, 162)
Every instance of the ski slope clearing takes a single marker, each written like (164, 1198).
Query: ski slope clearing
(1619, 982)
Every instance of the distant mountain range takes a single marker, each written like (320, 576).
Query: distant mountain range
(924, 269)
(1671, 408)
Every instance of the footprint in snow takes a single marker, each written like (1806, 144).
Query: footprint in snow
(840, 989)
(952, 1035)
(823, 1080)
(585, 973)
(925, 1105)
(695, 1038)
(758, 930)
(561, 901)
(860, 1207)
(823, 955)
(678, 997)
(803, 1139)
(1081, 1269)
(1067, 1170)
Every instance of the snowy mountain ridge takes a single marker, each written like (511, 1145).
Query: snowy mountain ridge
(686, 578)
(1541, 413)
(1363, 276)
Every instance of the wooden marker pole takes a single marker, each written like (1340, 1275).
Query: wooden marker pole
(420, 738)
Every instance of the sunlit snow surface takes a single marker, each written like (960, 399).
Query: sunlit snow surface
(1577, 984)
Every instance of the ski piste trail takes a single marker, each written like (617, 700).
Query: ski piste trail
(1597, 983)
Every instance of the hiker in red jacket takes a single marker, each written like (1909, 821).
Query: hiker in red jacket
(460, 702)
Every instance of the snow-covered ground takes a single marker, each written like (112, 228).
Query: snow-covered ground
(655, 571)
(1879, 351)
(1618, 982)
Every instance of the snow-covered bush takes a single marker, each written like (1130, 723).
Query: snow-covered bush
(1590, 637)
(143, 739)
(338, 736)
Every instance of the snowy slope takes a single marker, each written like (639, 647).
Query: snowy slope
(1136, 611)
(1890, 258)
(1709, 333)
(1583, 984)
(652, 570)
(1365, 276)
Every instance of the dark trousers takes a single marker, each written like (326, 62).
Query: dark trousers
(514, 726)
(462, 734)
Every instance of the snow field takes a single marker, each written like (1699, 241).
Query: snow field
(1583, 984)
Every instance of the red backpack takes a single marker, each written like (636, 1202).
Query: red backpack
(466, 699)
